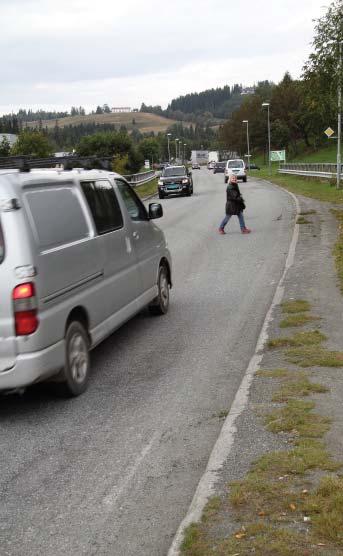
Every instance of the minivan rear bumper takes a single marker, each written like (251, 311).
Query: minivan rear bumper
(33, 367)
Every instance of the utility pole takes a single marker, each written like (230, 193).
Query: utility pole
(168, 136)
(248, 145)
(267, 105)
(339, 117)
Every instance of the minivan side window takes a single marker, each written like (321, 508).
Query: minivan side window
(134, 205)
(103, 204)
(57, 214)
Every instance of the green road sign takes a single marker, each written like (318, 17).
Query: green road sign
(278, 156)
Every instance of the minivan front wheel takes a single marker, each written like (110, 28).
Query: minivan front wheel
(160, 305)
(77, 360)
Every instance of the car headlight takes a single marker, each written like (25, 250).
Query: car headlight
(160, 182)
(185, 180)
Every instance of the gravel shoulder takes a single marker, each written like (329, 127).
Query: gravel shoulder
(312, 277)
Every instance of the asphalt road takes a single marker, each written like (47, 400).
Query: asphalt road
(113, 472)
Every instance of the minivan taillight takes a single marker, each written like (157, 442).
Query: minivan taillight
(25, 309)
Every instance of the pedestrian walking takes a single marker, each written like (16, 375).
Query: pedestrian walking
(234, 206)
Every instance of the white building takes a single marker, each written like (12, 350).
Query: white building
(11, 138)
(120, 109)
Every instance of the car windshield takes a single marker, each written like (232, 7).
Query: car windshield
(2, 245)
(220, 164)
(235, 164)
(177, 171)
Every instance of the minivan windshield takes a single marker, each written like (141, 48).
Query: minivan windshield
(177, 171)
(235, 164)
(2, 245)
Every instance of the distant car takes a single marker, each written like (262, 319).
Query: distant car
(254, 166)
(195, 166)
(175, 180)
(237, 167)
(219, 167)
(210, 165)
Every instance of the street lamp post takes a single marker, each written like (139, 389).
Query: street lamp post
(267, 105)
(184, 151)
(176, 140)
(247, 122)
(339, 117)
(168, 136)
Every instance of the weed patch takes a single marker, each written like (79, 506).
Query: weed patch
(295, 306)
(306, 212)
(308, 338)
(325, 507)
(296, 418)
(314, 356)
(298, 386)
(297, 320)
(273, 373)
(303, 220)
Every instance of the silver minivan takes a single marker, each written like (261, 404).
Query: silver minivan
(79, 256)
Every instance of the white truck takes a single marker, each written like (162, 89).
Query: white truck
(213, 156)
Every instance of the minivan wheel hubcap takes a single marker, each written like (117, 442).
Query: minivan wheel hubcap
(164, 289)
(78, 358)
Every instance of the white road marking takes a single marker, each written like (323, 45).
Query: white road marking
(117, 490)
(224, 443)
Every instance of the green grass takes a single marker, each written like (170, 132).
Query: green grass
(314, 356)
(147, 189)
(296, 418)
(273, 373)
(302, 220)
(297, 319)
(319, 189)
(295, 306)
(298, 385)
(309, 338)
(325, 506)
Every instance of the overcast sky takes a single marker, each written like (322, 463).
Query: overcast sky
(59, 53)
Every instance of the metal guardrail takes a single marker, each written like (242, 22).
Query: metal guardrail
(140, 178)
(319, 170)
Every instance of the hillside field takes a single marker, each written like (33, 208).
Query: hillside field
(144, 122)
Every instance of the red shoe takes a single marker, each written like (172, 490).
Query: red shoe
(221, 231)
(246, 231)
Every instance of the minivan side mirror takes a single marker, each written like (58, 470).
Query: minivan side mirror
(155, 211)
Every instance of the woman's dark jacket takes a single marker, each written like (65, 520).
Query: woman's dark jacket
(234, 200)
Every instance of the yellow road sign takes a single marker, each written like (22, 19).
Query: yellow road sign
(329, 132)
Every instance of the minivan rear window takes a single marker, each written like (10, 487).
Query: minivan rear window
(235, 164)
(2, 245)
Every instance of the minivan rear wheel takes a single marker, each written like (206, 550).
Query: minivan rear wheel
(160, 305)
(76, 370)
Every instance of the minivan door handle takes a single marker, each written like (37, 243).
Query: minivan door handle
(135, 235)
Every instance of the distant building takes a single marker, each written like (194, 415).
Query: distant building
(248, 91)
(11, 138)
(120, 109)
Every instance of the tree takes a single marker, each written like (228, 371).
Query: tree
(5, 147)
(32, 143)
(99, 110)
(150, 149)
(321, 69)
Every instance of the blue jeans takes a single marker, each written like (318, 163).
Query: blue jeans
(227, 218)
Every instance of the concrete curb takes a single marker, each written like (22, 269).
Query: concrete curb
(224, 443)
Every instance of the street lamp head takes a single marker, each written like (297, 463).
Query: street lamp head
(168, 134)
(245, 121)
(265, 104)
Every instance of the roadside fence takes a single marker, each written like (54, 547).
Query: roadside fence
(143, 177)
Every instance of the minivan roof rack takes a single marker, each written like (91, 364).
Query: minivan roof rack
(27, 163)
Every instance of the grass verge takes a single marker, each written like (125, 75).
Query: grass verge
(147, 189)
(315, 188)
(296, 417)
(314, 356)
(297, 385)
